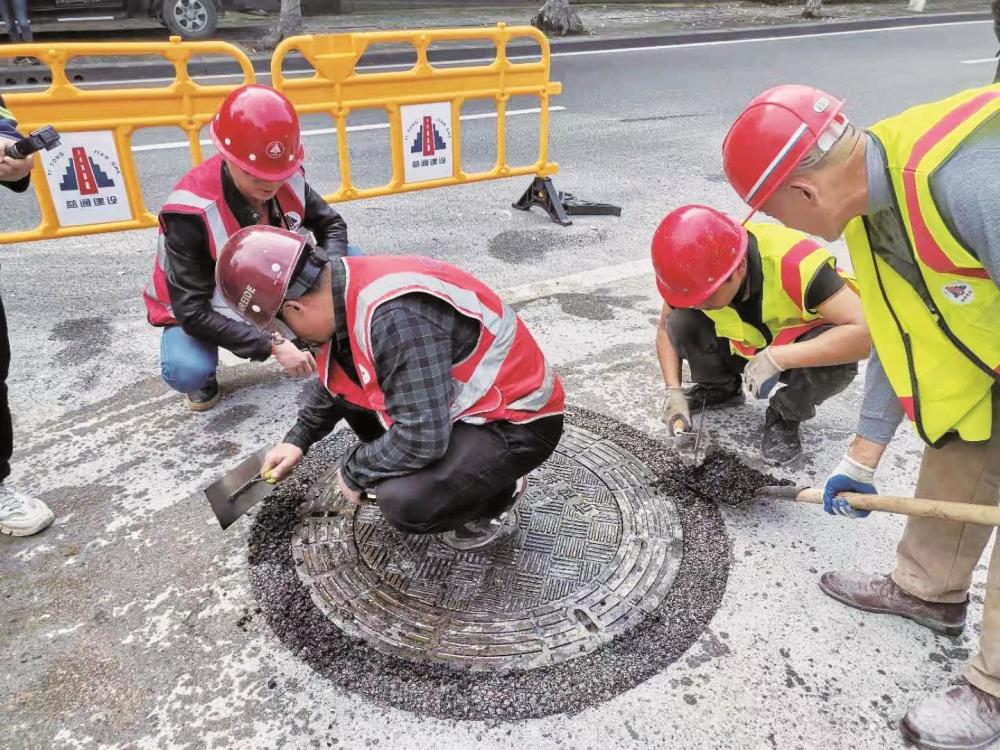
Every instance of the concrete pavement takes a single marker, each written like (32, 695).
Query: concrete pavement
(131, 622)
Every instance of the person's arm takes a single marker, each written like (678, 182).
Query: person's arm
(413, 367)
(670, 360)
(15, 174)
(191, 282)
(327, 226)
(318, 415)
(848, 341)
(881, 414)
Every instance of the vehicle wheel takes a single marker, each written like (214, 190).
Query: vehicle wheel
(191, 19)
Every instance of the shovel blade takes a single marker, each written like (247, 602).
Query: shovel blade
(236, 492)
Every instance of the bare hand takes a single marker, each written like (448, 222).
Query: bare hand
(279, 461)
(351, 496)
(295, 361)
(12, 170)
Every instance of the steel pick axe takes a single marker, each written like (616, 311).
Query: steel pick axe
(239, 490)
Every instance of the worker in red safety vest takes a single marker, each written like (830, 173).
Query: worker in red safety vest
(762, 303)
(255, 178)
(452, 398)
(917, 199)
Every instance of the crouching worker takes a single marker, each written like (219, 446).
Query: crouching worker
(450, 395)
(762, 304)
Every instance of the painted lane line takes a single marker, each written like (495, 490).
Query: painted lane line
(682, 45)
(350, 129)
(980, 60)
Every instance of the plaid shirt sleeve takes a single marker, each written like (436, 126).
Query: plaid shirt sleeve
(412, 342)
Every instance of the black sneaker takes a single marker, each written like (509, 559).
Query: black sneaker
(719, 396)
(780, 444)
(205, 397)
(487, 531)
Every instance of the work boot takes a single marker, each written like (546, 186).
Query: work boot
(780, 444)
(717, 396)
(882, 595)
(487, 531)
(205, 397)
(962, 717)
(22, 515)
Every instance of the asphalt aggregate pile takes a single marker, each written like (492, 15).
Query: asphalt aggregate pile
(440, 691)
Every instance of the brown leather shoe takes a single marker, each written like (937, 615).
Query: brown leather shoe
(881, 594)
(962, 717)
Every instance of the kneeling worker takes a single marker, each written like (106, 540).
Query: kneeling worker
(452, 398)
(760, 303)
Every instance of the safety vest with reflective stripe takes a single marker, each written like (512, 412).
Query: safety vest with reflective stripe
(789, 263)
(940, 345)
(200, 193)
(506, 377)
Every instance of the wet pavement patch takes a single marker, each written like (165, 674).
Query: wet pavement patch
(657, 639)
(528, 245)
(84, 338)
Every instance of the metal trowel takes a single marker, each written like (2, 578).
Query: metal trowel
(239, 490)
(695, 437)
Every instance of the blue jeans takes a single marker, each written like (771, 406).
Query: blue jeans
(187, 363)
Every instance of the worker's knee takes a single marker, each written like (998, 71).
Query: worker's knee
(424, 508)
(186, 364)
(691, 330)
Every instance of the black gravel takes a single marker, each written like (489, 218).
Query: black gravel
(434, 690)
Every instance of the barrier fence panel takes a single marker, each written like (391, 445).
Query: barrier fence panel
(423, 104)
(89, 183)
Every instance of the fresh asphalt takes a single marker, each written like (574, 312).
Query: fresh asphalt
(131, 622)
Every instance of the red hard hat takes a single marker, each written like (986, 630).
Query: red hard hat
(694, 250)
(771, 135)
(254, 270)
(257, 129)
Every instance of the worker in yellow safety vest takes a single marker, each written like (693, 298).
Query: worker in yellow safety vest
(762, 303)
(917, 198)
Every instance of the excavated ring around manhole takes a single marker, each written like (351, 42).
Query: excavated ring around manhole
(629, 656)
(595, 550)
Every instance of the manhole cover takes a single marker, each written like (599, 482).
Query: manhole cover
(596, 550)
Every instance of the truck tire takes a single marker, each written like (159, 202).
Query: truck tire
(192, 20)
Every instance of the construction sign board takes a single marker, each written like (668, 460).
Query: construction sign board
(85, 179)
(427, 145)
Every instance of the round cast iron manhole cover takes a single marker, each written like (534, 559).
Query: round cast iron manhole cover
(596, 549)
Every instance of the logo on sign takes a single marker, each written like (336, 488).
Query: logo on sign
(821, 105)
(83, 175)
(958, 292)
(429, 140)
(275, 149)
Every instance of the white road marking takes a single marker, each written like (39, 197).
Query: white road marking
(992, 60)
(682, 45)
(350, 129)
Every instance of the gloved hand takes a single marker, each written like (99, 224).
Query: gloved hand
(676, 413)
(849, 476)
(761, 374)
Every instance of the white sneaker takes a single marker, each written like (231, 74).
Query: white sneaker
(22, 515)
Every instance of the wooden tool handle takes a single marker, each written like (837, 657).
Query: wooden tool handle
(984, 515)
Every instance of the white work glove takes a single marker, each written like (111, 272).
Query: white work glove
(676, 413)
(761, 374)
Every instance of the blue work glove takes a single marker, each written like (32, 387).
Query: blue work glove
(849, 476)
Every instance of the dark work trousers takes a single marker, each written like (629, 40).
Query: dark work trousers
(474, 479)
(6, 429)
(996, 77)
(712, 363)
(15, 16)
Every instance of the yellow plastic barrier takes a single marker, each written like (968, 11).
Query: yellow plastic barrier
(419, 99)
(106, 118)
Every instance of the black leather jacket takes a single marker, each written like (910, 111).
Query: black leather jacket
(191, 269)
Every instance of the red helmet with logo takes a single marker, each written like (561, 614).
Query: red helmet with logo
(257, 129)
(695, 249)
(255, 270)
(771, 135)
